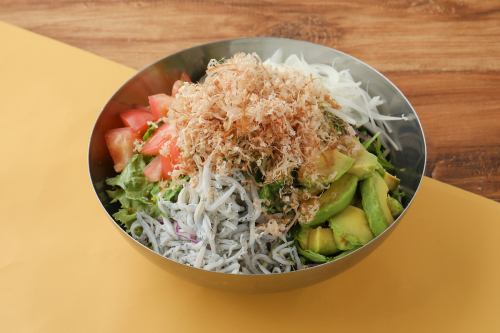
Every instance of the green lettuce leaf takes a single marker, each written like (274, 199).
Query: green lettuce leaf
(132, 178)
(125, 216)
(171, 193)
(133, 191)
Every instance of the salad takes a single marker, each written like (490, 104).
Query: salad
(262, 167)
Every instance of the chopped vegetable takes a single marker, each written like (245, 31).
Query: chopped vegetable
(132, 191)
(270, 194)
(167, 166)
(152, 126)
(171, 193)
(400, 195)
(313, 256)
(368, 143)
(153, 171)
(120, 143)
(137, 119)
(377, 148)
(161, 136)
(159, 104)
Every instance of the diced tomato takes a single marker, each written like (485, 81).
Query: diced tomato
(185, 77)
(166, 167)
(153, 145)
(159, 104)
(137, 119)
(174, 153)
(169, 161)
(153, 171)
(120, 142)
(159, 168)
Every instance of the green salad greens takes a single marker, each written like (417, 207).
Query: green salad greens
(135, 193)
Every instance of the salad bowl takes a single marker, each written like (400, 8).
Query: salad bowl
(160, 76)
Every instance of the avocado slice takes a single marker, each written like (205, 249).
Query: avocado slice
(329, 165)
(391, 181)
(394, 206)
(321, 241)
(302, 237)
(365, 164)
(350, 228)
(312, 256)
(338, 196)
(374, 193)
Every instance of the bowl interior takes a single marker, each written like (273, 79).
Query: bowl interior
(160, 76)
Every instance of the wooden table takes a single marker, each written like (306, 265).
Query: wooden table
(443, 54)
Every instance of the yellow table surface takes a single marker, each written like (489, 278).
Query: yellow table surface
(65, 268)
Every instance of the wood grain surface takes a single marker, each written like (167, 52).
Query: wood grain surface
(443, 54)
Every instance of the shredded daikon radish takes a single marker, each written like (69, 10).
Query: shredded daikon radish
(357, 106)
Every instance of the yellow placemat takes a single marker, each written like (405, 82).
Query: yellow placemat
(64, 267)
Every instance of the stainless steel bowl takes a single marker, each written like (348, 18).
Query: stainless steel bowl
(159, 77)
